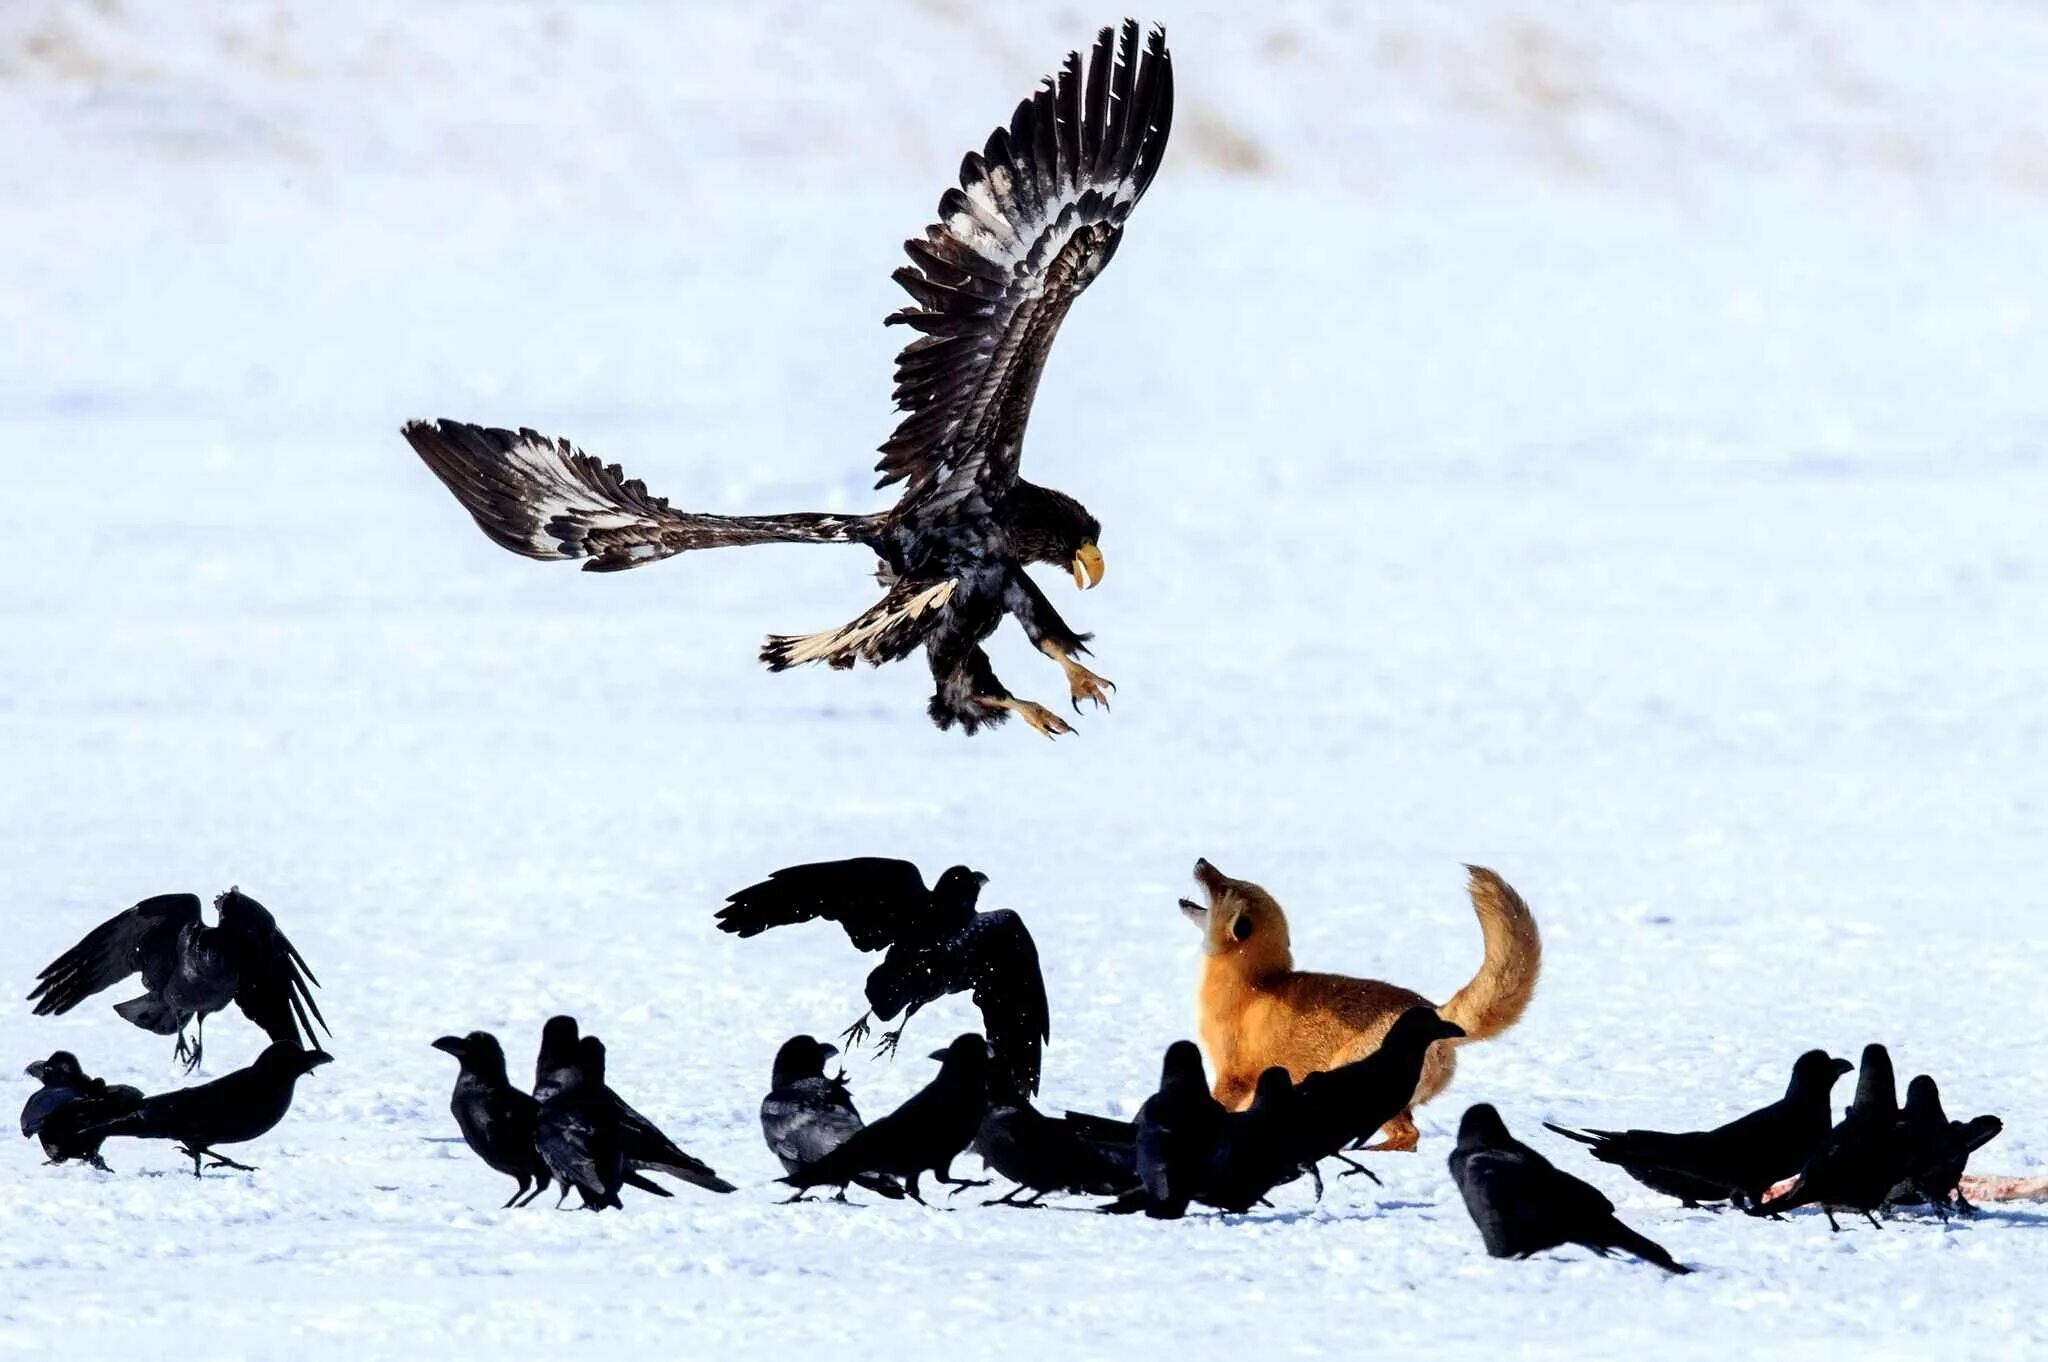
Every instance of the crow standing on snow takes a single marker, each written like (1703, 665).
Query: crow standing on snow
(806, 1115)
(1084, 1155)
(67, 1103)
(1037, 216)
(1862, 1159)
(1739, 1161)
(1523, 1205)
(189, 970)
(646, 1148)
(937, 942)
(496, 1119)
(924, 1135)
(576, 1130)
(1259, 1147)
(1936, 1150)
(1348, 1104)
(1179, 1129)
(232, 1109)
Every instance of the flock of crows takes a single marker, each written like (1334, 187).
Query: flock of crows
(1184, 1147)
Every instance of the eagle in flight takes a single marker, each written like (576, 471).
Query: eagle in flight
(1038, 214)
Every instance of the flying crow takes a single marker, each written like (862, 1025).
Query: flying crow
(189, 970)
(937, 942)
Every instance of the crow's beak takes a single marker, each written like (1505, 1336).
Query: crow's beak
(980, 879)
(940, 1055)
(452, 1044)
(1087, 565)
(827, 1051)
(315, 1058)
(35, 1070)
(1842, 1066)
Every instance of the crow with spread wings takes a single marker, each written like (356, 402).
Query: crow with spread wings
(938, 943)
(189, 969)
(1038, 214)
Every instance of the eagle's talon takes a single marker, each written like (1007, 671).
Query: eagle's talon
(1038, 716)
(1086, 685)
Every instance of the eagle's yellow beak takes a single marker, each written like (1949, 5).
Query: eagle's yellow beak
(1087, 566)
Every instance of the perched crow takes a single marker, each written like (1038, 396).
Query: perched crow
(67, 1103)
(806, 1115)
(189, 970)
(1179, 1130)
(1739, 1161)
(576, 1129)
(496, 1119)
(1259, 1148)
(1043, 1154)
(1344, 1105)
(232, 1109)
(924, 1135)
(1522, 1204)
(938, 943)
(1936, 1150)
(1862, 1159)
(647, 1149)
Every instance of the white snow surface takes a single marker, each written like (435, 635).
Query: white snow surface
(1602, 443)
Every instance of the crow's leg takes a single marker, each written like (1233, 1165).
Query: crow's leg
(943, 1175)
(1316, 1174)
(193, 1154)
(1875, 1223)
(1352, 1166)
(1831, 1219)
(218, 1160)
(1008, 1198)
(909, 1188)
(858, 1032)
(891, 1039)
(802, 1194)
(513, 1200)
(1051, 636)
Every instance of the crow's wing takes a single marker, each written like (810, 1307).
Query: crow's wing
(995, 956)
(877, 900)
(143, 938)
(807, 1120)
(1037, 216)
(273, 981)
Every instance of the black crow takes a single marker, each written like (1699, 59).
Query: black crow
(807, 1115)
(576, 1129)
(938, 943)
(1862, 1159)
(647, 1149)
(1523, 1204)
(1739, 1161)
(68, 1102)
(1044, 1154)
(1350, 1103)
(924, 1135)
(232, 1109)
(189, 970)
(496, 1119)
(1179, 1129)
(1258, 1149)
(1936, 1150)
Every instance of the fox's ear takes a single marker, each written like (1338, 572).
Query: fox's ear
(1242, 928)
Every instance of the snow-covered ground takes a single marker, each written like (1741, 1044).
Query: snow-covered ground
(1611, 450)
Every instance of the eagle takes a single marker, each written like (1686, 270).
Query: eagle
(1037, 215)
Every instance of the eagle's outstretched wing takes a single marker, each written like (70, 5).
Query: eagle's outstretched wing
(275, 986)
(144, 938)
(1037, 216)
(877, 900)
(544, 498)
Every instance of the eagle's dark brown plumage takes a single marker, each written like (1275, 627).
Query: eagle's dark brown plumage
(1037, 215)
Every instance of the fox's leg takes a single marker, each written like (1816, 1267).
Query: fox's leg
(1234, 1091)
(1399, 1135)
(1051, 636)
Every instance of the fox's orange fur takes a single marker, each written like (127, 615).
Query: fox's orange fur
(1255, 1009)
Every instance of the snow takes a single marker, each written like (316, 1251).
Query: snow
(1609, 450)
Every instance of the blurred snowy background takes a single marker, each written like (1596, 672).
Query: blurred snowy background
(1605, 442)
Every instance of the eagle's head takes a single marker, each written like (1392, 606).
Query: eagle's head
(1051, 527)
